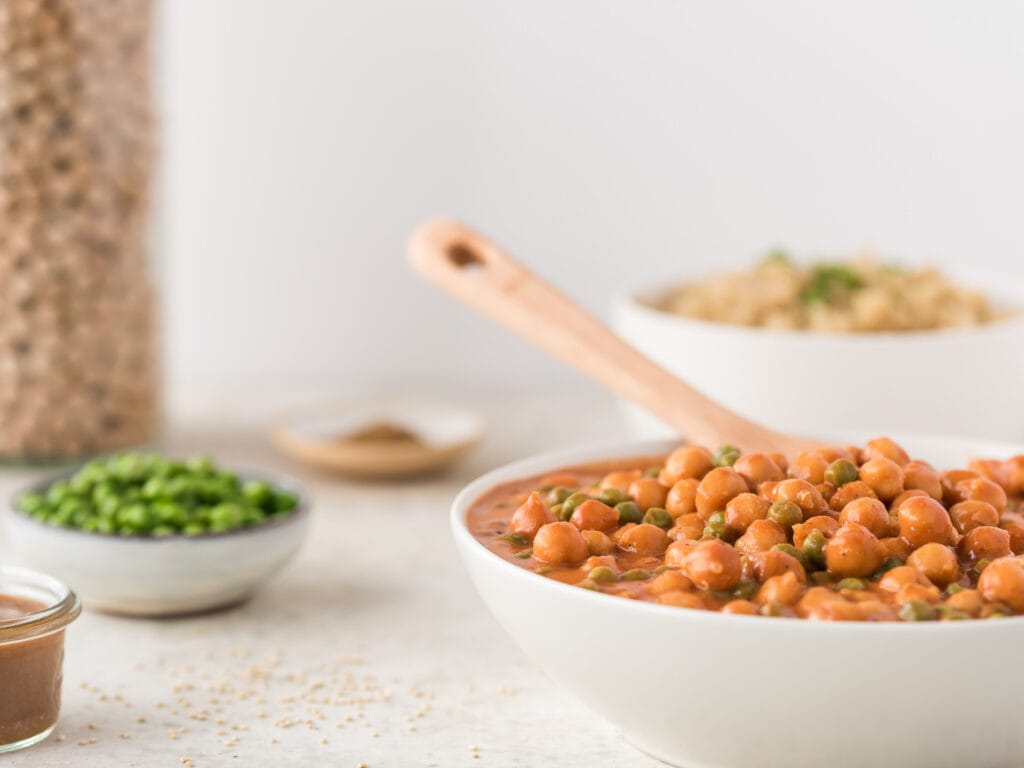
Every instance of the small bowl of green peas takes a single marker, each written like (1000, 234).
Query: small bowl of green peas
(143, 534)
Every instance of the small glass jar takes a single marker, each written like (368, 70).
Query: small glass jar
(34, 611)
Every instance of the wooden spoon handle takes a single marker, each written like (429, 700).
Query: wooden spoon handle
(479, 274)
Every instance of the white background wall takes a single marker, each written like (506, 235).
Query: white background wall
(604, 142)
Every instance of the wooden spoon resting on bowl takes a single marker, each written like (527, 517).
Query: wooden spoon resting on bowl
(482, 276)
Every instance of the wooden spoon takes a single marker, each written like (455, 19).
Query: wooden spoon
(481, 275)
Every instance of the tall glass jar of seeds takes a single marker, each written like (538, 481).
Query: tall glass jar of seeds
(78, 364)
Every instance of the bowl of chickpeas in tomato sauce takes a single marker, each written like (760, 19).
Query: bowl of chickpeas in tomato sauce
(856, 605)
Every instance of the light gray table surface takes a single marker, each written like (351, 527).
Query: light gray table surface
(370, 648)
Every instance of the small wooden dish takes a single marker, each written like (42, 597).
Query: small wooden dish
(381, 439)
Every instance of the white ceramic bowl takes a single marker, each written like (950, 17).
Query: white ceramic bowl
(707, 690)
(965, 382)
(147, 576)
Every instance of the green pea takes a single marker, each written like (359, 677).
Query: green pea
(226, 516)
(163, 530)
(840, 472)
(629, 512)
(570, 504)
(726, 456)
(661, 569)
(603, 573)
(556, 512)
(154, 488)
(820, 578)
(636, 574)
(716, 528)
(200, 465)
(544, 569)
(590, 584)
(558, 494)
(137, 517)
(526, 554)
(850, 583)
(814, 548)
(953, 588)
(980, 566)
(30, 502)
(746, 590)
(517, 539)
(789, 549)
(193, 529)
(652, 472)
(786, 513)
(659, 517)
(918, 610)
(949, 613)
(612, 496)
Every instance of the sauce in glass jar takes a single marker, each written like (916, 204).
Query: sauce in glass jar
(34, 611)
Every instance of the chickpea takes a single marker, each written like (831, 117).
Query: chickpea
(885, 448)
(682, 600)
(598, 543)
(784, 589)
(530, 517)
(678, 551)
(895, 503)
(757, 468)
(593, 515)
(762, 566)
(827, 525)
(809, 466)
(871, 513)
(1013, 471)
(713, 564)
(803, 494)
(982, 489)
(741, 608)
(1003, 582)
(923, 519)
(858, 489)
(1013, 524)
(967, 600)
(949, 480)
(669, 581)
(897, 578)
(560, 543)
(921, 476)
(896, 548)
(985, 542)
(816, 596)
(620, 480)
(716, 489)
(853, 551)
(937, 562)
(884, 476)
(761, 535)
(744, 509)
(780, 461)
(927, 593)
(836, 610)
(682, 497)
(644, 539)
(688, 461)
(687, 527)
(967, 515)
(648, 492)
(991, 469)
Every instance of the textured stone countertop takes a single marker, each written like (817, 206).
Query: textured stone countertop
(370, 648)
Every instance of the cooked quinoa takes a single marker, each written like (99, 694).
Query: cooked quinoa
(858, 295)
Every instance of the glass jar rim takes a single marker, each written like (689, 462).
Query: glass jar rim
(62, 605)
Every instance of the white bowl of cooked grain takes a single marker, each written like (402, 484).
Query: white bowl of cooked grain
(910, 350)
